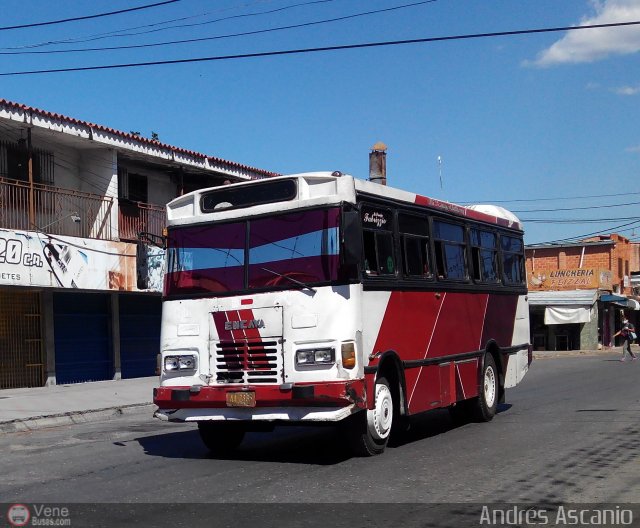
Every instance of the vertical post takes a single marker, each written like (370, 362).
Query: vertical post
(48, 336)
(115, 335)
(32, 213)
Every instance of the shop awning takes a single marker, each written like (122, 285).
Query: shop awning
(567, 314)
(563, 298)
(609, 297)
(565, 307)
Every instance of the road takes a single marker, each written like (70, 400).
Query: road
(568, 433)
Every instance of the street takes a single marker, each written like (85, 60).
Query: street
(568, 433)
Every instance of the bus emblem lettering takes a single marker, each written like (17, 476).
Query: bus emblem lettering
(375, 218)
(243, 324)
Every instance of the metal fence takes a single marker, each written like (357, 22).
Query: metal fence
(54, 210)
(22, 358)
(136, 217)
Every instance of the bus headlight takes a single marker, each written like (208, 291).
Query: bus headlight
(187, 362)
(315, 356)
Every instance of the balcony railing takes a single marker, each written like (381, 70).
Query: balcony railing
(51, 209)
(137, 217)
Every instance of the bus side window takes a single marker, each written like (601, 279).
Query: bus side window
(415, 256)
(378, 253)
(512, 260)
(377, 237)
(450, 249)
(370, 258)
(484, 255)
(414, 231)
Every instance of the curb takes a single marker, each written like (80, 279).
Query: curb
(73, 417)
(575, 353)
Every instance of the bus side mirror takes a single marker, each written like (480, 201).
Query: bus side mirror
(351, 242)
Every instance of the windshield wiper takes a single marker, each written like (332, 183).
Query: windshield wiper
(295, 281)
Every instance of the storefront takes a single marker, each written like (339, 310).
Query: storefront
(564, 320)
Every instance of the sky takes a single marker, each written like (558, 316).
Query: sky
(544, 124)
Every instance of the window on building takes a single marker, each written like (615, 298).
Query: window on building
(132, 186)
(14, 162)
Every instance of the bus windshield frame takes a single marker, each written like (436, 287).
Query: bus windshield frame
(292, 250)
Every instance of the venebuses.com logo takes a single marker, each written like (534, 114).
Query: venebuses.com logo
(38, 515)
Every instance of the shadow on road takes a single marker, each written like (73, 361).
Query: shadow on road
(293, 445)
(313, 445)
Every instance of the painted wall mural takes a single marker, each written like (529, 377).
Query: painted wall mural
(30, 258)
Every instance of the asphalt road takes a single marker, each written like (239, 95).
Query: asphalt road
(569, 433)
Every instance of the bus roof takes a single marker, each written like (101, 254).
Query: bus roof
(324, 188)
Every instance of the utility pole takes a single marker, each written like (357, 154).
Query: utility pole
(32, 212)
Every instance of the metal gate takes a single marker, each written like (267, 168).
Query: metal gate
(139, 334)
(22, 358)
(82, 337)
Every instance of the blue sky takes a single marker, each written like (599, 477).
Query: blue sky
(548, 118)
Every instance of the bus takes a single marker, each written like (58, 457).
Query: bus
(322, 298)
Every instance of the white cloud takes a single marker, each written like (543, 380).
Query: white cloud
(589, 45)
(627, 90)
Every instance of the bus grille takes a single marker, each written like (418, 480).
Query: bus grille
(247, 361)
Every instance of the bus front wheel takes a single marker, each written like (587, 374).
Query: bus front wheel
(368, 432)
(486, 404)
(221, 437)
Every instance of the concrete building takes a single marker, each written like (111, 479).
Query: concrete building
(81, 206)
(578, 291)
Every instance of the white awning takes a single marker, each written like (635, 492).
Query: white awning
(554, 315)
(563, 298)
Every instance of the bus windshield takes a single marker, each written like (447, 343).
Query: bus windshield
(253, 254)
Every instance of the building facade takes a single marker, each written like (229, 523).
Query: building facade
(578, 292)
(81, 215)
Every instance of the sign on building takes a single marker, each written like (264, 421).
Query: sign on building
(570, 279)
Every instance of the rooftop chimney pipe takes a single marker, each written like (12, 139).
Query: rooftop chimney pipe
(378, 163)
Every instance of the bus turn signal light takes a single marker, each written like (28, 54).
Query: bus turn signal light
(348, 355)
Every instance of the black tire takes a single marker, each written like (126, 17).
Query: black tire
(221, 437)
(368, 431)
(485, 405)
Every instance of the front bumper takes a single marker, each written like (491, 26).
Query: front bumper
(328, 401)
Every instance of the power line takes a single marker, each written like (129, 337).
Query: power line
(121, 32)
(218, 37)
(550, 199)
(572, 208)
(602, 231)
(323, 49)
(87, 17)
(576, 220)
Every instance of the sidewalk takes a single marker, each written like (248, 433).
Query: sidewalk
(35, 408)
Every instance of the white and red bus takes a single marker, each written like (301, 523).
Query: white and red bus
(323, 298)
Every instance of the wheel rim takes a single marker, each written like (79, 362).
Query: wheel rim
(489, 386)
(381, 417)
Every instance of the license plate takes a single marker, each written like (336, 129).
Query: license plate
(241, 399)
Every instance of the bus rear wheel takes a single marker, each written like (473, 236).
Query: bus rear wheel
(485, 405)
(221, 437)
(368, 432)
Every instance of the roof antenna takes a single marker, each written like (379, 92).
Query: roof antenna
(440, 169)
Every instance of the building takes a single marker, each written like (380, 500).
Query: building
(81, 212)
(578, 291)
